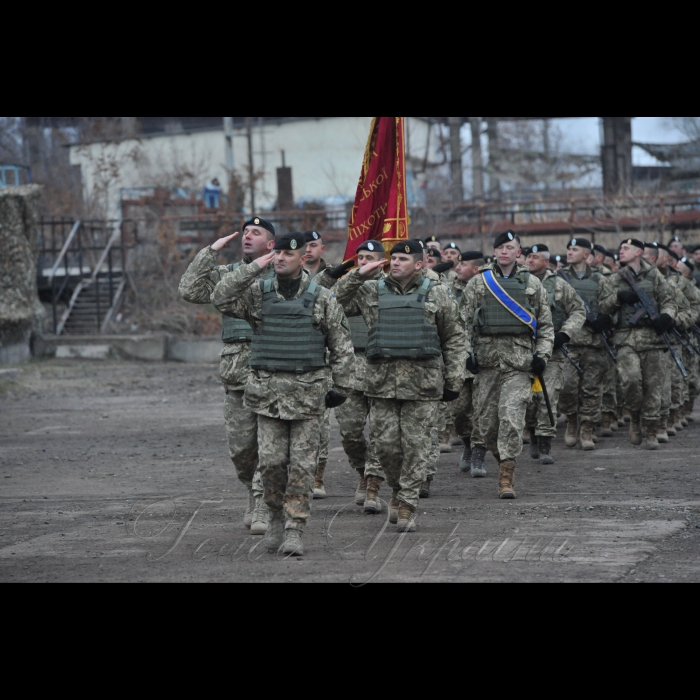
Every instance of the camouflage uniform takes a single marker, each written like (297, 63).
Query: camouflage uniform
(196, 287)
(290, 407)
(503, 388)
(569, 314)
(405, 394)
(641, 360)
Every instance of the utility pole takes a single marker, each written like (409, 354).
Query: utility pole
(494, 181)
(251, 162)
(455, 124)
(617, 154)
(228, 130)
(477, 159)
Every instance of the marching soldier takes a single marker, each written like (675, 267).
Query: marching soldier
(641, 357)
(568, 316)
(416, 359)
(196, 287)
(434, 258)
(294, 322)
(510, 339)
(583, 393)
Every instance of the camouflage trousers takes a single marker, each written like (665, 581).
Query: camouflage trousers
(555, 379)
(609, 401)
(501, 399)
(694, 382)
(435, 438)
(583, 394)
(642, 380)
(288, 462)
(400, 432)
(242, 433)
(352, 416)
(679, 385)
(667, 382)
(325, 439)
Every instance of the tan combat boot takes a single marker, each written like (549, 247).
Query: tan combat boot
(662, 434)
(250, 510)
(407, 521)
(445, 447)
(572, 430)
(636, 429)
(587, 430)
(261, 518)
(676, 422)
(652, 429)
(394, 509)
(293, 543)
(275, 532)
(684, 419)
(606, 428)
(373, 504)
(689, 411)
(319, 488)
(506, 481)
(670, 430)
(361, 493)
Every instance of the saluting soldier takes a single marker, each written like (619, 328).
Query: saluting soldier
(196, 287)
(294, 322)
(641, 358)
(415, 360)
(510, 338)
(568, 316)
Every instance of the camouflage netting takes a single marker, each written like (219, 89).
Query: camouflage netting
(20, 309)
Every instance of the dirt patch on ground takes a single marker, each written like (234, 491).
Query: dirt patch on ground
(118, 471)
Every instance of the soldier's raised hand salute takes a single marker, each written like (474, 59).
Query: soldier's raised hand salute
(265, 260)
(223, 242)
(371, 269)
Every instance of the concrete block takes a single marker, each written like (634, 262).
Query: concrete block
(83, 352)
(15, 354)
(148, 348)
(195, 351)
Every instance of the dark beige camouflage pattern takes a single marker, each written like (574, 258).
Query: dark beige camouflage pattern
(352, 417)
(643, 378)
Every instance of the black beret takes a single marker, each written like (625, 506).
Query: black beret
(689, 263)
(675, 256)
(559, 259)
(633, 242)
(420, 242)
(432, 239)
(452, 246)
(507, 237)
(311, 236)
(434, 253)
(599, 249)
(662, 246)
(652, 245)
(471, 255)
(580, 243)
(675, 239)
(371, 247)
(257, 221)
(290, 241)
(539, 248)
(407, 248)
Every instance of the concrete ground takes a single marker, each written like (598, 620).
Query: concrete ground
(118, 471)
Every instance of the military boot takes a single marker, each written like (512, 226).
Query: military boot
(652, 430)
(526, 437)
(621, 418)
(445, 447)
(587, 430)
(572, 430)
(407, 519)
(373, 504)
(319, 488)
(689, 411)
(394, 509)
(662, 435)
(534, 445)
(684, 418)
(248, 518)
(676, 422)
(506, 480)
(293, 543)
(478, 468)
(546, 451)
(670, 430)
(275, 532)
(636, 429)
(261, 518)
(606, 429)
(361, 493)
(425, 489)
(465, 463)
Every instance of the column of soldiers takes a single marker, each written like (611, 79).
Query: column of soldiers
(491, 349)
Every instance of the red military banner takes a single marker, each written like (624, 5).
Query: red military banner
(380, 212)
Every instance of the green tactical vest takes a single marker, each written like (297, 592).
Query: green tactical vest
(403, 333)
(558, 314)
(627, 312)
(494, 319)
(236, 330)
(287, 340)
(588, 289)
(359, 332)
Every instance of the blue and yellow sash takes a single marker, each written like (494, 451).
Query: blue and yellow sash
(508, 303)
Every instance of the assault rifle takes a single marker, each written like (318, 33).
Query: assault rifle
(686, 341)
(567, 354)
(591, 317)
(648, 310)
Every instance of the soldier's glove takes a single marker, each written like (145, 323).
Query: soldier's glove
(473, 365)
(628, 297)
(443, 267)
(538, 366)
(663, 324)
(334, 399)
(561, 339)
(340, 271)
(450, 396)
(602, 323)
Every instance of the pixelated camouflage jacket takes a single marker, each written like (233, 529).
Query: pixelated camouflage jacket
(567, 299)
(687, 299)
(586, 337)
(322, 278)
(196, 287)
(508, 353)
(408, 380)
(643, 337)
(282, 394)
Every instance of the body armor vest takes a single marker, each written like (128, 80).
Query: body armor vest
(494, 319)
(588, 289)
(359, 332)
(236, 330)
(558, 314)
(403, 333)
(627, 312)
(287, 340)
